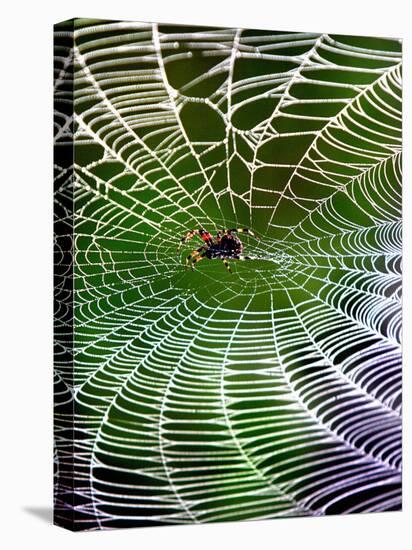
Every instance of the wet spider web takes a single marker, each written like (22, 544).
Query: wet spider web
(204, 396)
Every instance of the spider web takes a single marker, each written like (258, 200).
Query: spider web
(204, 396)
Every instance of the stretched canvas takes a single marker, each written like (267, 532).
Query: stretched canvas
(227, 274)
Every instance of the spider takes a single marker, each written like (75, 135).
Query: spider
(226, 245)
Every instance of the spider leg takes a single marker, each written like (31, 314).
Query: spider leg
(227, 266)
(192, 258)
(204, 235)
(241, 230)
(198, 258)
(189, 235)
(242, 257)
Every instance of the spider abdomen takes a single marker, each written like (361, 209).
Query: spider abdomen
(229, 246)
